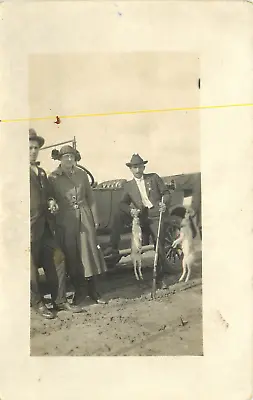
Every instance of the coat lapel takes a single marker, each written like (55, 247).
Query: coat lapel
(34, 178)
(135, 193)
(147, 185)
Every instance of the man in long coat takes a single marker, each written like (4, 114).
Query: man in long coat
(43, 244)
(76, 224)
(144, 192)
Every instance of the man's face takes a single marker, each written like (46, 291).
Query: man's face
(34, 150)
(137, 170)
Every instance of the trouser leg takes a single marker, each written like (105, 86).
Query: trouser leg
(73, 267)
(47, 263)
(121, 218)
(76, 273)
(35, 295)
(161, 252)
(60, 266)
(91, 287)
(61, 276)
(54, 268)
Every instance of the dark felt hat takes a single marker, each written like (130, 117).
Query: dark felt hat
(33, 136)
(136, 160)
(67, 150)
(56, 154)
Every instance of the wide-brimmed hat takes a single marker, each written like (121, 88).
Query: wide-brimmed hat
(67, 150)
(33, 136)
(136, 160)
(56, 154)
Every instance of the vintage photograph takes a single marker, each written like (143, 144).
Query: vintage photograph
(115, 205)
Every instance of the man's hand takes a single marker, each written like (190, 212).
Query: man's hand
(161, 207)
(178, 240)
(176, 243)
(53, 206)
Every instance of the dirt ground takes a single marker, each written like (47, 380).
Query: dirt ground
(131, 324)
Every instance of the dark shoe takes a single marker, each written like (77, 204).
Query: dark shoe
(101, 301)
(110, 252)
(79, 299)
(44, 311)
(69, 307)
(97, 298)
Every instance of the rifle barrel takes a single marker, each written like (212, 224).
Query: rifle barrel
(57, 144)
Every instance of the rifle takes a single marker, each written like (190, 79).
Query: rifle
(153, 293)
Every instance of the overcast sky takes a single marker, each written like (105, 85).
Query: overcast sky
(107, 82)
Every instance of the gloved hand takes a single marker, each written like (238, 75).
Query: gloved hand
(162, 207)
(53, 206)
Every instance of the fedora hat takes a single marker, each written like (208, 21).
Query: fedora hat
(136, 160)
(33, 136)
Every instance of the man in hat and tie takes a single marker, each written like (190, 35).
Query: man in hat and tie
(43, 245)
(144, 192)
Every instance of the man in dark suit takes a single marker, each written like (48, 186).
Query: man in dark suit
(144, 192)
(43, 244)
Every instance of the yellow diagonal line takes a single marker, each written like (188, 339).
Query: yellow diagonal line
(105, 114)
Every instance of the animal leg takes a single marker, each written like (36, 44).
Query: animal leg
(189, 268)
(184, 270)
(135, 270)
(188, 273)
(139, 270)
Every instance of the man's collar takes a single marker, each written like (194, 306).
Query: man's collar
(139, 179)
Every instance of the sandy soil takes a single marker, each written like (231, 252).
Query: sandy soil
(131, 324)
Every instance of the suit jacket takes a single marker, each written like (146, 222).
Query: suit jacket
(155, 188)
(39, 195)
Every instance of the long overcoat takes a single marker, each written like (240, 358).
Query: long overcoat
(75, 221)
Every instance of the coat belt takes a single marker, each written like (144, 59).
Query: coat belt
(75, 205)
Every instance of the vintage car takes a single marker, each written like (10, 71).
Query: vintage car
(108, 195)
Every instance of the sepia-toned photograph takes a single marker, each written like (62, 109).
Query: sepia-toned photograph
(115, 205)
(126, 200)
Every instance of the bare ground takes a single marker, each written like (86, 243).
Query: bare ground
(131, 324)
